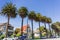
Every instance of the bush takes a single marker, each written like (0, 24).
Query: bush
(2, 36)
(37, 37)
(18, 34)
(12, 35)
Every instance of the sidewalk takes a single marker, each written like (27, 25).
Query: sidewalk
(46, 39)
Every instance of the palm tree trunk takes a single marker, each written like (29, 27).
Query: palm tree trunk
(55, 33)
(7, 27)
(27, 27)
(45, 25)
(52, 32)
(46, 29)
(32, 29)
(50, 29)
(58, 34)
(39, 29)
(22, 27)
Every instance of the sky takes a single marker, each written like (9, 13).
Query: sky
(49, 8)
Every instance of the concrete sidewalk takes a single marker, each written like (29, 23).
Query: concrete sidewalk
(46, 39)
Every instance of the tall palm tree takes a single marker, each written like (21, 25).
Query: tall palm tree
(38, 19)
(31, 16)
(9, 10)
(49, 21)
(56, 28)
(44, 20)
(22, 13)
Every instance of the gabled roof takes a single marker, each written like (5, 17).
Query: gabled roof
(25, 27)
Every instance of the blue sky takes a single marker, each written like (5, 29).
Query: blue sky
(49, 8)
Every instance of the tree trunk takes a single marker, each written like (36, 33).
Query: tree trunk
(58, 34)
(50, 29)
(46, 30)
(45, 25)
(7, 26)
(52, 32)
(27, 27)
(32, 29)
(39, 30)
(22, 27)
(55, 33)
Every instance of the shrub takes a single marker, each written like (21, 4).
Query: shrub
(18, 34)
(2, 36)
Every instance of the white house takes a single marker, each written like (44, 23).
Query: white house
(36, 34)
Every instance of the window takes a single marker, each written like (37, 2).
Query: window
(4, 27)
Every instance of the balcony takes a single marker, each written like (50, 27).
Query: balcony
(10, 30)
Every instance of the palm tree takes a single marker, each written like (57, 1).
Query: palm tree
(22, 13)
(38, 19)
(49, 21)
(9, 10)
(44, 20)
(31, 16)
(56, 28)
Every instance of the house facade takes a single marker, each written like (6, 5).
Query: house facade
(27, 30)
(3, 27)
(37, 34)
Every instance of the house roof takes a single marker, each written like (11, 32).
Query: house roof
(3, 24)
(25, 27)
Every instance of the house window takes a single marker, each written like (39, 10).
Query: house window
(4, 27)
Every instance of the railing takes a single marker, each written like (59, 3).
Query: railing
(11, 30)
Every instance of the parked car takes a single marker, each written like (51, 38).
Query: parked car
(22, 37)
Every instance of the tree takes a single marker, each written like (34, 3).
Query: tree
(49, 21)
(31, 16)
(9, 10)
(38, 19)
(44, 20)
(17, 30)
(23, 13)
(56, 27)
(42, 30)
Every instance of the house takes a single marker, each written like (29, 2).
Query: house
(26, 30)
(3, 27)
(36, 34)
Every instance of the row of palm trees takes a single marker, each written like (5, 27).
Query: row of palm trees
(11, 11)
(40, 19)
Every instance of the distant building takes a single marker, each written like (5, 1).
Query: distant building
(3, 27)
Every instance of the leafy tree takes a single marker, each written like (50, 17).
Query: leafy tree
(43, 30)
(17, 30)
